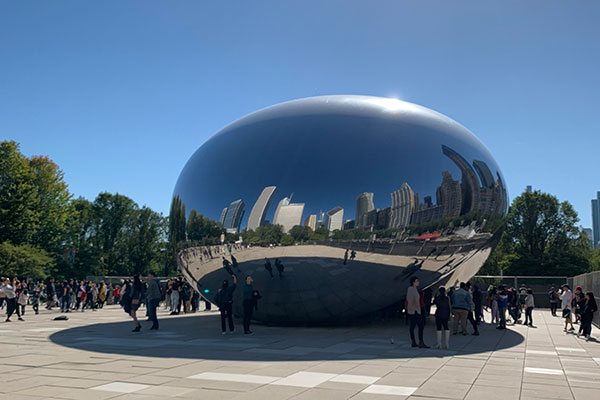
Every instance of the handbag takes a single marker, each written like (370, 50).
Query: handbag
(135, 301)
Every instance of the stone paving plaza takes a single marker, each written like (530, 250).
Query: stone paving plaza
(94, 355)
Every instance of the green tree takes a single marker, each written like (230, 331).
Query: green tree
(300, 233)
(541, 238)
(287, 240)
(53, 204)
(19, 201)
(24, 261)
(146, 238)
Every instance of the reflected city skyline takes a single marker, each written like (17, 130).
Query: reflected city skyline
(475, 191)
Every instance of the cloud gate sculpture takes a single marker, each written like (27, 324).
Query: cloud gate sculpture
(332, 203)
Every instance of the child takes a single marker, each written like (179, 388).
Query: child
(22, 301)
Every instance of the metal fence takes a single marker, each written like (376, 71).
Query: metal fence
(540, 285)
(590, 282)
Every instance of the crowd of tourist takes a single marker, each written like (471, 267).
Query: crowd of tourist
(455, 308)
(464, 305)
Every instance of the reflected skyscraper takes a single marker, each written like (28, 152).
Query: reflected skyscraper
(288, 214)
(257, 215)
(233, 216)
(403, 206)
(222, 219)
(335, 219)
(469, 183)
(364, 204)
(449, 196)
(311, 222)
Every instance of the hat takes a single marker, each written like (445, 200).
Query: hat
(578, 288)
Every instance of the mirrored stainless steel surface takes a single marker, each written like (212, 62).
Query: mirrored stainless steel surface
(349, 196)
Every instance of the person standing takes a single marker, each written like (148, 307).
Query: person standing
(248, 304)
(224, 300)
(566, 304)
(65, 298)
(50, 293)
(10, 297)
(268, 267)
(529, 306)
(442, 316)
(413, 310)
(553, 297)
(502, 299)
(22, 300)
(279, 267)
(472, 308)
(587, 315)
(137, 294)
(461, 307)
(101, 294)
(153, 297)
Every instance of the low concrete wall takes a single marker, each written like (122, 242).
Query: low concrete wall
(590, 282)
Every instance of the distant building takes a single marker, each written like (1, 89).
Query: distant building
(311, 221)
(259, 211)
(222, 219)
(321, 220)
(233, 216)
(289, 215)
(403, 206)
(349, 224)
(528, 189)
(590, 235)
(335, 219)
(364, 204)
(596, 219)
(379, 218)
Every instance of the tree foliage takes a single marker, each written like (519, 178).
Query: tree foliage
(43, 231)
(541, 238)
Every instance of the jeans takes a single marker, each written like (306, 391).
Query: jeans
(553, 308)
(65, 302)
(226, 314)
(248, 310)
(528, 317)
(174, 301)
(152, 304)
(415, 320)
(502, 311)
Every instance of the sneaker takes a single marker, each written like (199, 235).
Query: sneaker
(223, 333)
(137, 329)
(475, 333)
(571, 329)
(21, 319)
(231, 332)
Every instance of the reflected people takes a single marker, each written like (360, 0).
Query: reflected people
(414, 192)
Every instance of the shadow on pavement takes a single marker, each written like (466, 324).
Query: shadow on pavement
(198, 336)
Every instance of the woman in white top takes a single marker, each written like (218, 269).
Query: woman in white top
(11, 302)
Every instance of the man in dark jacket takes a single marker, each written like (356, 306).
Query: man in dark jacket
(224, 300)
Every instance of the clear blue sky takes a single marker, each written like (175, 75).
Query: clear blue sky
(121, 93)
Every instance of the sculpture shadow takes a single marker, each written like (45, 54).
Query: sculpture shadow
(198, 336)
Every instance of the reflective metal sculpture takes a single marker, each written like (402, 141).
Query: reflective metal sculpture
(348, 197)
